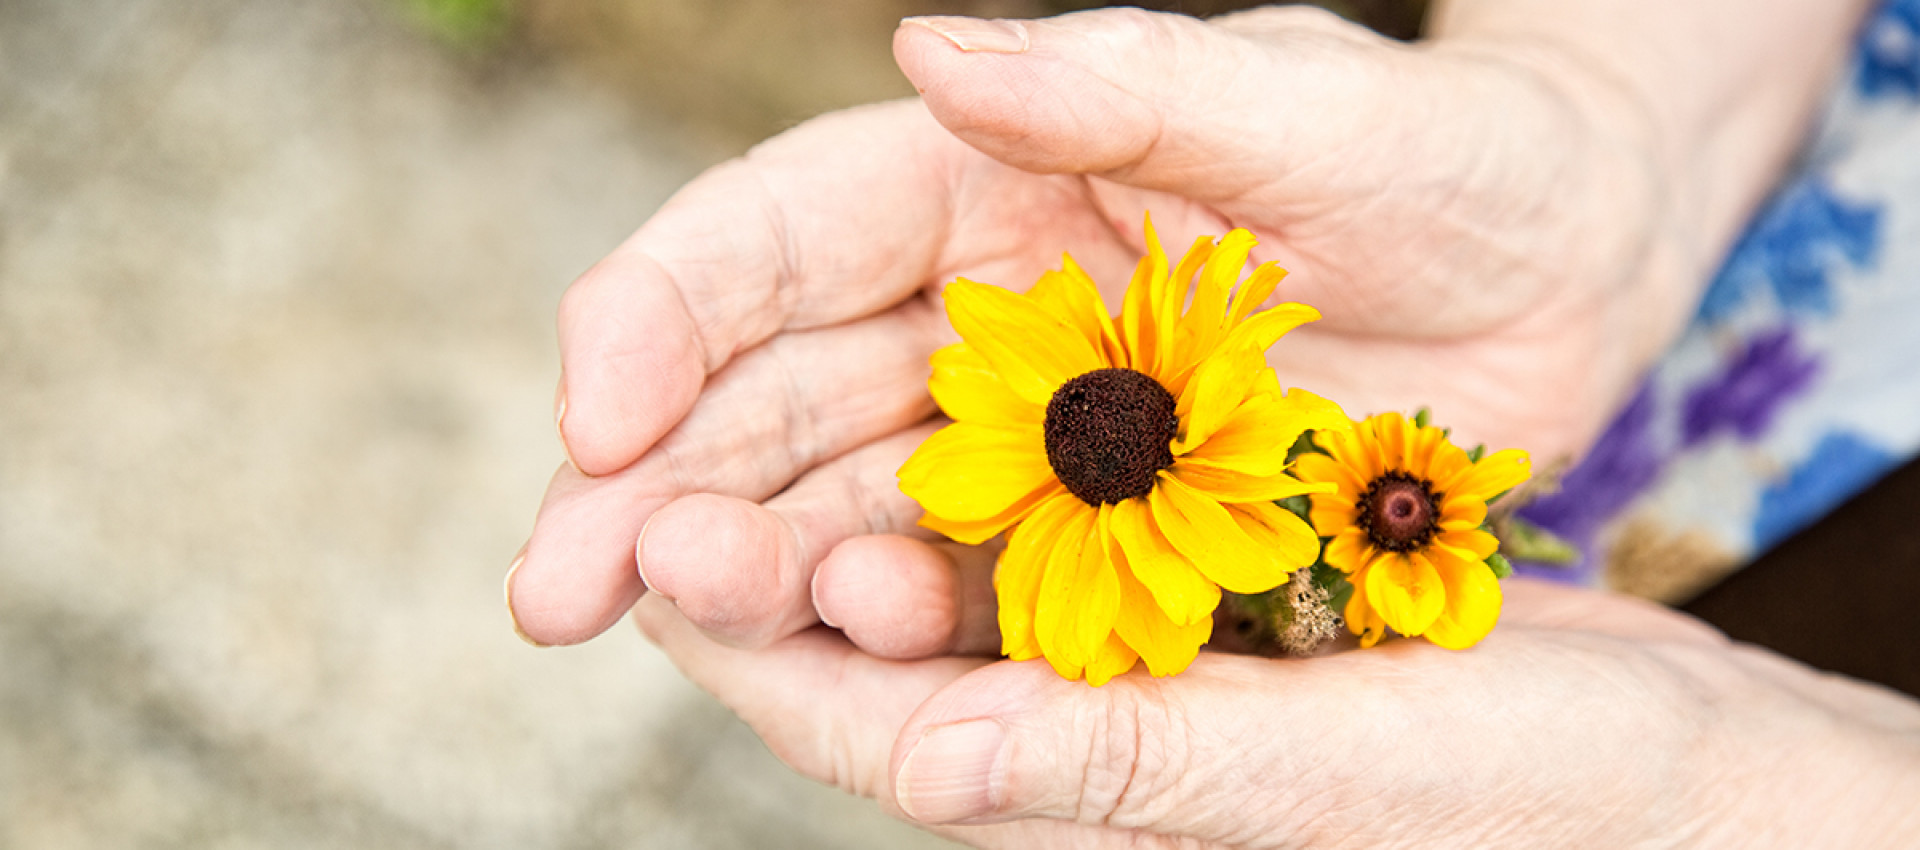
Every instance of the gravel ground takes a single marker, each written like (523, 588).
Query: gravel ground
(276, 362)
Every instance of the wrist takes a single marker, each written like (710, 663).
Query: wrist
(1718, 94)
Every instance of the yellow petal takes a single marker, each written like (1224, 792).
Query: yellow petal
(972, 472)
(1473, 544)
(1461, 514)
(1206, 532)
(1421, 442)
(977, 531)
(1017, 574)
(1031, 349)
(1391, 429)
(969, 390)
(1232, 486)
(1115, 657)
(1473, 605)
(1353, 449)
(1254, 291)
(1332, 514)
(1067, 670)
(1140, 320)
(1178, 588)
(1406, 591)
(1349, 550)
(1362, 619)
(1214, 393)
(1177, 361)
(1281, 530)
(1265, 328)
(1446, 461)
(1174, 298)
(1167, 647)
(1493, 475)
(1080, 595)
(1316, 468)
(1072, 297)
(1206, 319)
(1256, 437)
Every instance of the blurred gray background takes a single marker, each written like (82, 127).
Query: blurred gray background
(277, 285)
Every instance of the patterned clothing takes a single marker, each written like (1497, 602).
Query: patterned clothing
(1798, 382)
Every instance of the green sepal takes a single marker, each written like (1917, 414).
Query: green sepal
(1521, 540)
(1476, 453)
(1500, 566)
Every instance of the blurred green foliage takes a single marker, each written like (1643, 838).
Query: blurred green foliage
(470, 24)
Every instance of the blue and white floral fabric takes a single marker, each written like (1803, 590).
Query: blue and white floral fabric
(1798, 382)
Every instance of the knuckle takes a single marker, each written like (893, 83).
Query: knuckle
(1138, 746)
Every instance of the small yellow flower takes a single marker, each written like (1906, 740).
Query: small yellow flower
(1405, 520)
(1136, 459)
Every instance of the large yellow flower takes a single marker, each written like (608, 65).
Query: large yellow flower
(1405, 520)
(1137, 460)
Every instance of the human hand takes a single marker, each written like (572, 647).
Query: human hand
(1483, 233)
(1584, 720)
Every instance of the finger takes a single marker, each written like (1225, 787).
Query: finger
(898, 597)
(826, 709)
(1359, 748)
(833, 712)
(1534, 603)
(838, 219)
(1159, 101)
(773, 413)
(744, 572)
(1018, 741)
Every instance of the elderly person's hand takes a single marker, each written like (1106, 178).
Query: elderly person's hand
(1505, 223)
(1584, 720)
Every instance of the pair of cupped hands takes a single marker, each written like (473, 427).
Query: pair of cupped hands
(1485, 235)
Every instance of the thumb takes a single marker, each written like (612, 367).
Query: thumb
(1014, 740)
(1155, 100)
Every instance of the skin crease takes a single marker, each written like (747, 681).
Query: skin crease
(1506, 222)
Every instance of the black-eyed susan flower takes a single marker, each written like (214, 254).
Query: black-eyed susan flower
(1137, 460)
(1405, 523)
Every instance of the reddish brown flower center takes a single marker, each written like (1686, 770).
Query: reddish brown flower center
(1399, 512)
(1108, 431)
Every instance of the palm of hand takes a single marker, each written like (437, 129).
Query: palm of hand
(1357, 749)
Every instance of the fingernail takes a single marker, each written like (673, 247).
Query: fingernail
(507, 590)
(560, 422)
(953, 773)
(813, 590)
(640, 560)
(977, 35)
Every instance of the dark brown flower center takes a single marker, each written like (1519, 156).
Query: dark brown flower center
(1108, 431)
(1399, 512)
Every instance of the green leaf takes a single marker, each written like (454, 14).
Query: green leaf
(1303, 445)
(1338, 593)
(1302, 506)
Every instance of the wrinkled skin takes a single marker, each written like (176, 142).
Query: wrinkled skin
(1505, 224)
